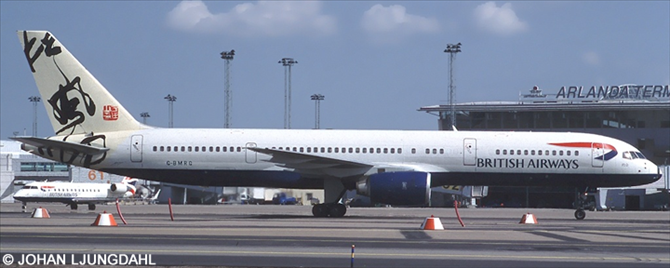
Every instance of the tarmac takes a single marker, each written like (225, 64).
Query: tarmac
(288, 236)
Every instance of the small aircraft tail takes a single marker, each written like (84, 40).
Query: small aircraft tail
(75, 101)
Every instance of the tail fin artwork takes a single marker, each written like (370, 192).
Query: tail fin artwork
(75, 101)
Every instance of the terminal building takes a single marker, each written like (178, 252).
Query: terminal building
(638, 115)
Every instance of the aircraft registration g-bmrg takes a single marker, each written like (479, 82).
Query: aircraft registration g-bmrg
(392, 167)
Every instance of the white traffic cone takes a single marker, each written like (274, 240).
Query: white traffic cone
(41, 213)
(432, 223)
(104, 219)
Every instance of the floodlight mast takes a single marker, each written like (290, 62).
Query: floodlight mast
(171, 99)
(287, 63)
(34, 100)
(452, 50)
(317, 98)
(228, 94)
(144, 116)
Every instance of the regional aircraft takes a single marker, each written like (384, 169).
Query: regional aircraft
(73, 194)
(92, 129)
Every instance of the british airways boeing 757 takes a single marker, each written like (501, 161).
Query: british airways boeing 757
(93, 130)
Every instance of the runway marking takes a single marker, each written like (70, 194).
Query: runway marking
(346, 254)
(301, 239)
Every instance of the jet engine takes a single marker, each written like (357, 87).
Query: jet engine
(119, 188)
(402, 188)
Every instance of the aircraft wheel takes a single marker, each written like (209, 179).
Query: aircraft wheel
(91, 206)
(320, 210)
(337, 210)
(74, 206)
(580, 214)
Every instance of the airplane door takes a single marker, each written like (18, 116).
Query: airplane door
(251, 155)
(136, 148)
(469, 152)
(597, 154)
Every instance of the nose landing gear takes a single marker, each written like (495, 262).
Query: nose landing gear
(580, 203)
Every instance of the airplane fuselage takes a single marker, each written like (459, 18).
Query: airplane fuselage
(225, 157)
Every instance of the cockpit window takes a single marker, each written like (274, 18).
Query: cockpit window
(633, 155)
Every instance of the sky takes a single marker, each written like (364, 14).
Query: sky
(376, 62)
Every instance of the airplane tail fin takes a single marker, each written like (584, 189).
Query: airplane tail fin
(75, 101)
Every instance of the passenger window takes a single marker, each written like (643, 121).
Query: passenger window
(393, 150)
(434, 151)
(560, 152)
(301, 149)
(553, 152)
(427, 151)
(441, 151)
(351, 150)
(539, 152)
(576, 153)
(504, 152)
(358, 150)
(218, 149)
(323, 149)
(162, 148)
(197, 148)
(372, 150)
(525, 152)
(224, 149)
(532, 152)
(183, 149)
(155, 148)
(330, 149)
(239, 149)
(365, 150)
(399, 150)
(379, 150)
(337, 150)
(169, 149)
(546, 152)
(497, 151)
(518, 152)
(567, 153)
(386, 150)
(511, 152)
(211, 149)
(413, 150)
(309, 149)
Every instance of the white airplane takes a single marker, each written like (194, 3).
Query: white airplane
(74, 194)
(392, 167)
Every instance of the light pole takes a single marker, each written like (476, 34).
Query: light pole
(171, 99)
(228, 94)
(317, 98)
(34, 100)
(452, 50)
(287, 63)
(144, 116)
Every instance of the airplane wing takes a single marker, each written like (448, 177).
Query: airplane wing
(312, 165)
(62, 145)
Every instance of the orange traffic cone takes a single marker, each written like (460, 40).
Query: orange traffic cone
(40, 213)
(432, 223)
(104, 219)
(528, 219)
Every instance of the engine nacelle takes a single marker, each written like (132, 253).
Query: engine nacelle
(403, 188)
(119, 188)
